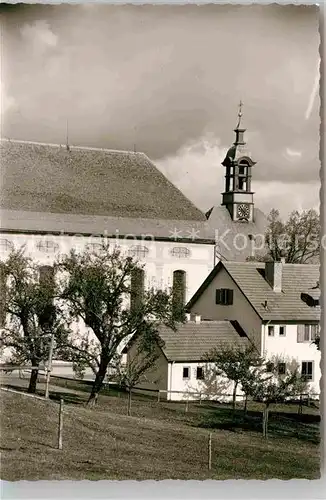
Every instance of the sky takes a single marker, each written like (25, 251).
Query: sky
(167, 81)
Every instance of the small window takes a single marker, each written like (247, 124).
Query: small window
(5, 245)
(47, 246)
(186, 372)
(282, 331)
(269, 366)
(138, 251)
(200, 373)
(224, 297)
(281, 368)
(180, 252)
(93, 247)
(307, 333)
(271, 330)
(307, 369)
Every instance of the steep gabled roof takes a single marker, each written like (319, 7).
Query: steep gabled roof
(193, 340)
(269, 305)
(51, 179)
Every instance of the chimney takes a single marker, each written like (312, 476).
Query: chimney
(188, 317)
(197, 319)
(273, 275)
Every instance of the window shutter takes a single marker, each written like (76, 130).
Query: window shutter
(300, 333)
(229, 299)
(218, 296)
(306, 336)
(314, 331)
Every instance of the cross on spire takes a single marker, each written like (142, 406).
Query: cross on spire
(239, 113)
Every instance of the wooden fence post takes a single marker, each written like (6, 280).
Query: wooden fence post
(158, 396)
(210, 451)
(186, 408)
(60, 429)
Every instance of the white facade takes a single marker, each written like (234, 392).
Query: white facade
(161, 258)
(185, 383)
(281, 340)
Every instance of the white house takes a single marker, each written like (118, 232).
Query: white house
(276, 304)
(180, 372)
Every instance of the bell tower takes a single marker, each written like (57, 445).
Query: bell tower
(238, 197)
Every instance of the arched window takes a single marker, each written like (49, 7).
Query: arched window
(243, 175)
(5, 245)
(138, 251)
(180, 252)
(137, 288)
(47, 246)
(178, 294)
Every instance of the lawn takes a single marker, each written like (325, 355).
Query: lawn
(160, 441)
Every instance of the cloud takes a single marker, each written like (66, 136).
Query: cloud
(169, 79)
(7, 102)
(313, 94)
(39, 36)
(291, 153)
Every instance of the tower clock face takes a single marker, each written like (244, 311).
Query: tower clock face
(243, 211)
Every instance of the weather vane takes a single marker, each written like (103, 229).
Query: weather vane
(240, 113)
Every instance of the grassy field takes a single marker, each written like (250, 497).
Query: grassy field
(160, 441)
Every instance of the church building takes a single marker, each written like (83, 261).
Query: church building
(58, 197)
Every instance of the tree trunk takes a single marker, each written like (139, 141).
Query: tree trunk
(33, 381)
(265, 421)
(234, 397)
(98, 382)
(129, 402)
(245, 404)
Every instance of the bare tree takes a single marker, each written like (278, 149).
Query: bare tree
(234, 363)
(270, 385)
(95, 287)
(297, 239)
(142, 356)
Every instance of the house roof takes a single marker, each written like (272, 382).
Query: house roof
(47, 178)
(192, 341)
(280, 306)
(234, 238)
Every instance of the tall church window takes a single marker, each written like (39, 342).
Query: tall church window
(178, 294)
(46, 280)
(137, 287)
